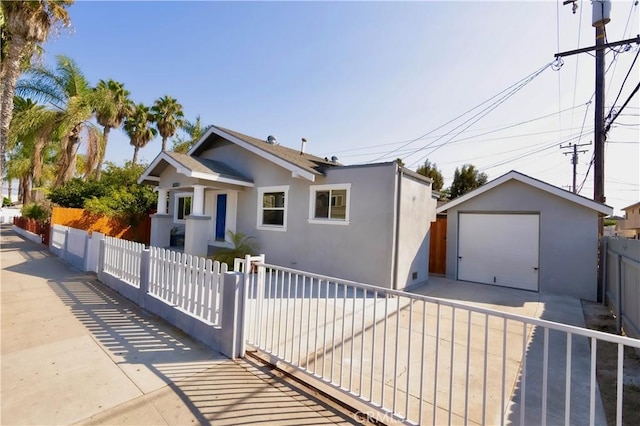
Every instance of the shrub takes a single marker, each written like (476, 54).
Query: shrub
(74, 193)
(6, 202)
(242, 245)
(38, 212)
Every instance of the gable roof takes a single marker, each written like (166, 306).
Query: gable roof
(634, 205)
(194, 167)
(528, 180)
(299, 164)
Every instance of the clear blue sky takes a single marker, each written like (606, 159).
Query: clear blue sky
(361, 79)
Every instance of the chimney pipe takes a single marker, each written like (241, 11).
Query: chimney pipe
(304, 144)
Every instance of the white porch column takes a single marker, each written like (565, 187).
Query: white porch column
(197, 205)
(162, 201)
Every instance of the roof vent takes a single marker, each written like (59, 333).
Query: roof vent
(272, 140)
(303, 146)
(334, 159)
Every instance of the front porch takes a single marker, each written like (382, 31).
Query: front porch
(197, 203)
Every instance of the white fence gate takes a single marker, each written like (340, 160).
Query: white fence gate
(422, 360)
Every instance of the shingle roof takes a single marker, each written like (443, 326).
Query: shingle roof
(202, 165)
(308, 162)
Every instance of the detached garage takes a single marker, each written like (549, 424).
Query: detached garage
(519, 232)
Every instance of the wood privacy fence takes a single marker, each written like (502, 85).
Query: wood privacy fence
(438, 246)
(31, 225)
(138, 230)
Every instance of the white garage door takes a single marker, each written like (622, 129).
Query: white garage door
(500, 249)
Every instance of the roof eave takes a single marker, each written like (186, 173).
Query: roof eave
(603, 209)
(296, 171)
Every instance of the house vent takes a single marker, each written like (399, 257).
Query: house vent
(272, 140)
(334, 159)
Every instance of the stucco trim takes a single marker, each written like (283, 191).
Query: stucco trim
(538, 184)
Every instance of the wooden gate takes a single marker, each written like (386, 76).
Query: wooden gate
(438, 247)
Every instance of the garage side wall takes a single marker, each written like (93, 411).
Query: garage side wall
(568, 236)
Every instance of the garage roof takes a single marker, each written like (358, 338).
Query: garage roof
(528, 180)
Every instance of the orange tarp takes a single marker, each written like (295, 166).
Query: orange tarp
(139, 230)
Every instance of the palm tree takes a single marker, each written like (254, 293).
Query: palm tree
(30, 133)
(138, 127)
(112, 107)
(69, 94)
(168, 116)
(195, 130)
(25, 24)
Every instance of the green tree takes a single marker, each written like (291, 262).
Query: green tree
(138, 127)
(194, 130)
(75, 192)
(68, 92)
(112, 106)
(25, 24)
(168, 115)
(466, 179)
(30, 133)
(116, 195)
(124, 198)
(430, 170)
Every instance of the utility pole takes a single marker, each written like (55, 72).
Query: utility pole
(600, 17)
(574, 159)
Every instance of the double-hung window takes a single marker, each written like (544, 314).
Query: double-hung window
(182, 207)
(329, 204)
(272, 208)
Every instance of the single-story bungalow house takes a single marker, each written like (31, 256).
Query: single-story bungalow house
(366, 223)
(520, 232)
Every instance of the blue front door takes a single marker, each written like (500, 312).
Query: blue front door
(221, 216)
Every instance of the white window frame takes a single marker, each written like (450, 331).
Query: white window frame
(261, 192)
(312, 203)
(176, 204)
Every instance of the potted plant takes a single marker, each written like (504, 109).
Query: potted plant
(176, 237)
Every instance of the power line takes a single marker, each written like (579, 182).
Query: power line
(463, 114)
(486, 111)
(493, 130)
(622, 87)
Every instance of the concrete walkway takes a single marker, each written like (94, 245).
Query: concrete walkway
(74, 352)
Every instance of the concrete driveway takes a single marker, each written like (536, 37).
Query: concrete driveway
(395, 356)
(549, 307)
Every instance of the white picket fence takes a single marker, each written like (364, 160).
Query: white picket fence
(189, 282)
(122, 259)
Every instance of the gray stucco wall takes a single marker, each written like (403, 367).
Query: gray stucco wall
(568, 236)
(361, 251)
(413, 250)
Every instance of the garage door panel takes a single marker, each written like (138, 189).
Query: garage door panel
(499, 249)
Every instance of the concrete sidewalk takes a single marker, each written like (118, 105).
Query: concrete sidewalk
(74, 352)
